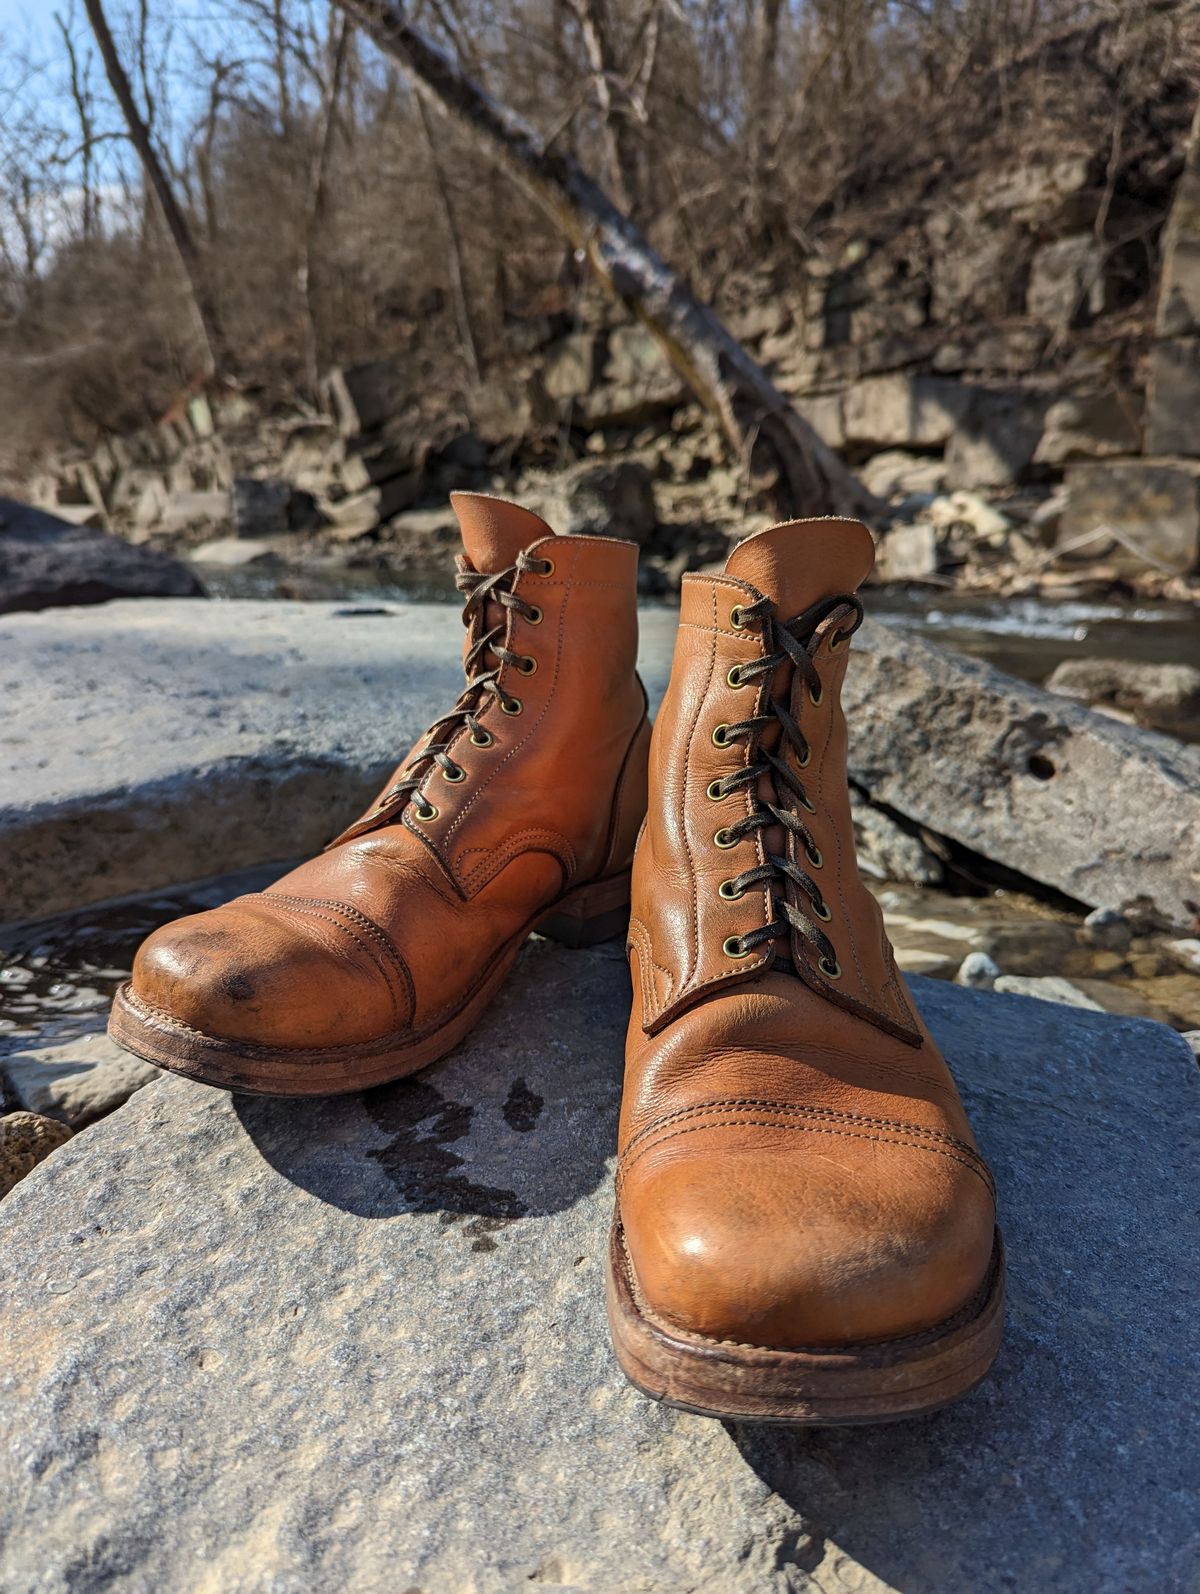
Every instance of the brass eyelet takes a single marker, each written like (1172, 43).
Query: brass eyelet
(815, 856)
(527, 665)
(720, 736)
(725, 838)
(733, 947)
(737, 618)
(804, 803)
(459, 774)
(535, 616)
(734, 678)
(831, 971)
(815, 697)
(485, 740)
(822, 912)
(714, 793)
(548, 568)
(511, 706)
(426, 812)
(838, 640)
(804, 762)
(729, 891)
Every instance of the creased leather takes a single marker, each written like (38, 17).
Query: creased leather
(386, 930)
(795, 1165)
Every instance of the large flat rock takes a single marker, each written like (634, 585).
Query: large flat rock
(146, 743)
(360, 1344)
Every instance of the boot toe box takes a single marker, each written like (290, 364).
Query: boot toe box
(270, 974)
(829, 1242)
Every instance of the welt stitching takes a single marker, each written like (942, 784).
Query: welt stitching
(311, 912)
(356, 916)
(494, 859)
(721, 1103)
(808, 1129)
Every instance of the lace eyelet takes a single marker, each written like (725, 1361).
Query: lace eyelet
(737, 617)
(535, 616)
(458, 775)
(511, 706)
(714, 793)
(527, 666)
(547, 568)
(831, 971)
(425, 812)
(733, 948)
(720, 736)
(485, 740)
(815, 698)
(725, 838)
(822, 912)
(838, 640)
(729, 891)
(804, 803)
(815, 856)
(804, 762)
(734, 679)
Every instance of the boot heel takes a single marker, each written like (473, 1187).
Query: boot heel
(590, 915)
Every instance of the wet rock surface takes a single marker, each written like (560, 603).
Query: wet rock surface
(360, 1343)
(75, 1081)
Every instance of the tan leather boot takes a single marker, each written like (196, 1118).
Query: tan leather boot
(805, 1230)
(516, 811)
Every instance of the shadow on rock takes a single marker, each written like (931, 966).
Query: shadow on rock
(1071, 1468)
(518, 1121)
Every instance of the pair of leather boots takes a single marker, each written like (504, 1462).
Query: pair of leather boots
(804, 1230)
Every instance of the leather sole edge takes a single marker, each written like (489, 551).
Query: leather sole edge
(882, 1382)
(578, 919)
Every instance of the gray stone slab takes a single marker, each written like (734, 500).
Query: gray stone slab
(360, 1344)
(148, 743)
(76, 1080)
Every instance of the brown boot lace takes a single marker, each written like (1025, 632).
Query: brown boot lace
(480, 590)
(791, 641)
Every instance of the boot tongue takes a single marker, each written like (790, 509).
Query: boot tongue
(799, 562)
(494, 531)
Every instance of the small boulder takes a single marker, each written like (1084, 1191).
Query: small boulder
(978, 971)
(1165, 696)
(25, 1140)
(46, 563)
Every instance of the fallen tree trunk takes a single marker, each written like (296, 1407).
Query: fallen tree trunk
(1105, 812)
(789, 463)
